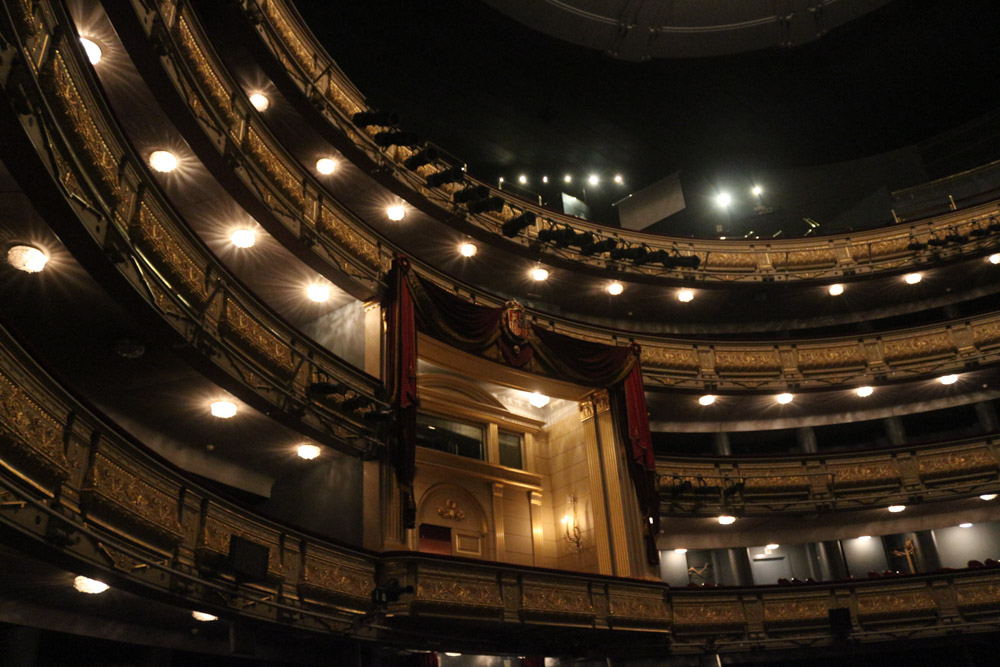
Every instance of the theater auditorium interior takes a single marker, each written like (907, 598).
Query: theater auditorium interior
(489, 333)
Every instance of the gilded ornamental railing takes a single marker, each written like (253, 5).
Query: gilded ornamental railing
(892, 248)
(102, 200)
(827, 482)
(299, 202)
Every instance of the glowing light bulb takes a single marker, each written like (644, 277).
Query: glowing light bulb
(864, 538)
(308, 452)
(27, 258)
(162, 161)
(395, 212)
(539, 274)
(726, 519)
(707, 399)
(468, 249)
(567, 179)
(223, 409)
(318, 292)
(757, 191)
(784, 399)
(988, 496)
(618, 179)
(522, 179)
(680, 551)
(203, 617)
(685, 295)
(965, 525)
(92, 50)
(913, 278)
(948, 379)
(545, 179)
(326, 166)
(593, 179)
(864, 392)
(90, 586)
(260, 102)
(723, 199)
(896, 509)
(995, 258)
(836, 289)
(243, 238)
(615, 288)
(538, 400)
(772, 546)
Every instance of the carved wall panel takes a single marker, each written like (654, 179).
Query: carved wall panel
(30, 439)
(330, 577)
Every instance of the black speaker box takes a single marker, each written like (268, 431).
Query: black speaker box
(247, 559)
(840, 620)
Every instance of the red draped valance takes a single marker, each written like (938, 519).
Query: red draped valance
(505, 335)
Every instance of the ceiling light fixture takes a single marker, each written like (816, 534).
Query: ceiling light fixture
(913, 278)
(522, 179)
(895, 509)
(243, 238)
(948, 379)
(995, 258)
(784, 399)
(545, 179)
(539, 274)
(27, 258)
(723, 199)
(326, 166)
(162, 161)
(223, 409)
(618, 179)
(395, 212)
(726, 519)
(772, 546)
(260, 102)
(92, 49)
(680, 551)
(615, 288)
(685, 295)
(864, 538)
(89, 586)
(538, 400)
(707, 399)
(965, 525)
(864, 392)
(308, 452)
(567, 179)
(757, 191)
(836, 289)
(468, 249)
(593, 179)
(988, 496)
(203, 617)
(318, 292)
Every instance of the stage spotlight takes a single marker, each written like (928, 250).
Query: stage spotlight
(494, 204)
(396, 138)
(376, 118)
(420, 158)
(513, 227)
(598, 247)
(450, 175)
(470, 193)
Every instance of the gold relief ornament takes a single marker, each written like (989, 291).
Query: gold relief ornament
(450, 511)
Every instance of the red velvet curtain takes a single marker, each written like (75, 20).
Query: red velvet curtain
(416, 303)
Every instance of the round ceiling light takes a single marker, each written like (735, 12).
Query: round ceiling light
(913, 278)
(836, 289)
(723, 199)
(593, 179)
(223, 409)
(685, 295)
(727, 519)
(864, 538)
(538, 400)
(89, 586)
(864, 392)
(308, 452)
(539, 274)
(318, 292)
(243, 238)
(895, 509)
(326, 166)
(995, 258)
(92, 50)
(162, 161)
(988, 496)
(615, 288)
(965, 525)
(948, 379)
(567, 179)
(395, 212)
(27, 258)
(203, 617)
(707, 399)
(757, 191)
(784, 399)
(260, 102)
(618, 179)
(772, 546)
(468, 249)
(522, 179)
(680, 551)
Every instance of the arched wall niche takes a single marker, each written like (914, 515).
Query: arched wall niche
(453, 508)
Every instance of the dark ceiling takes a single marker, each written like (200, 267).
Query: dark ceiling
(509, 100)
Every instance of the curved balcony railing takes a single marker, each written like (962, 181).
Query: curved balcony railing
(828, 482)
(73, 488)
(234, 130)
(96, 191)
(323, 87)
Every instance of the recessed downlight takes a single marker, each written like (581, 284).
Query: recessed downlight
(913, 278)
(468, 249)
(864, 538)
(27, 258)
(308, 452)
(864, 392)
(538, 400)
(92, 50)
(203, 617)
(318, 292)
(615, 288)
(948, 379)
(896, 509)
(772, 546)
(685, 295)
(965, 525)
(680, 551)
(785, 398)
(326, 166)
(162, 161)
(243, 238)
(726, 519)
(988, 496)
(836, 289)
(260, 102)
(539, 274)
(223, 409)
(707, 399)
(395, 212)
(89, 586)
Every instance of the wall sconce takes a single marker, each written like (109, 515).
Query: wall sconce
(571, 526)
